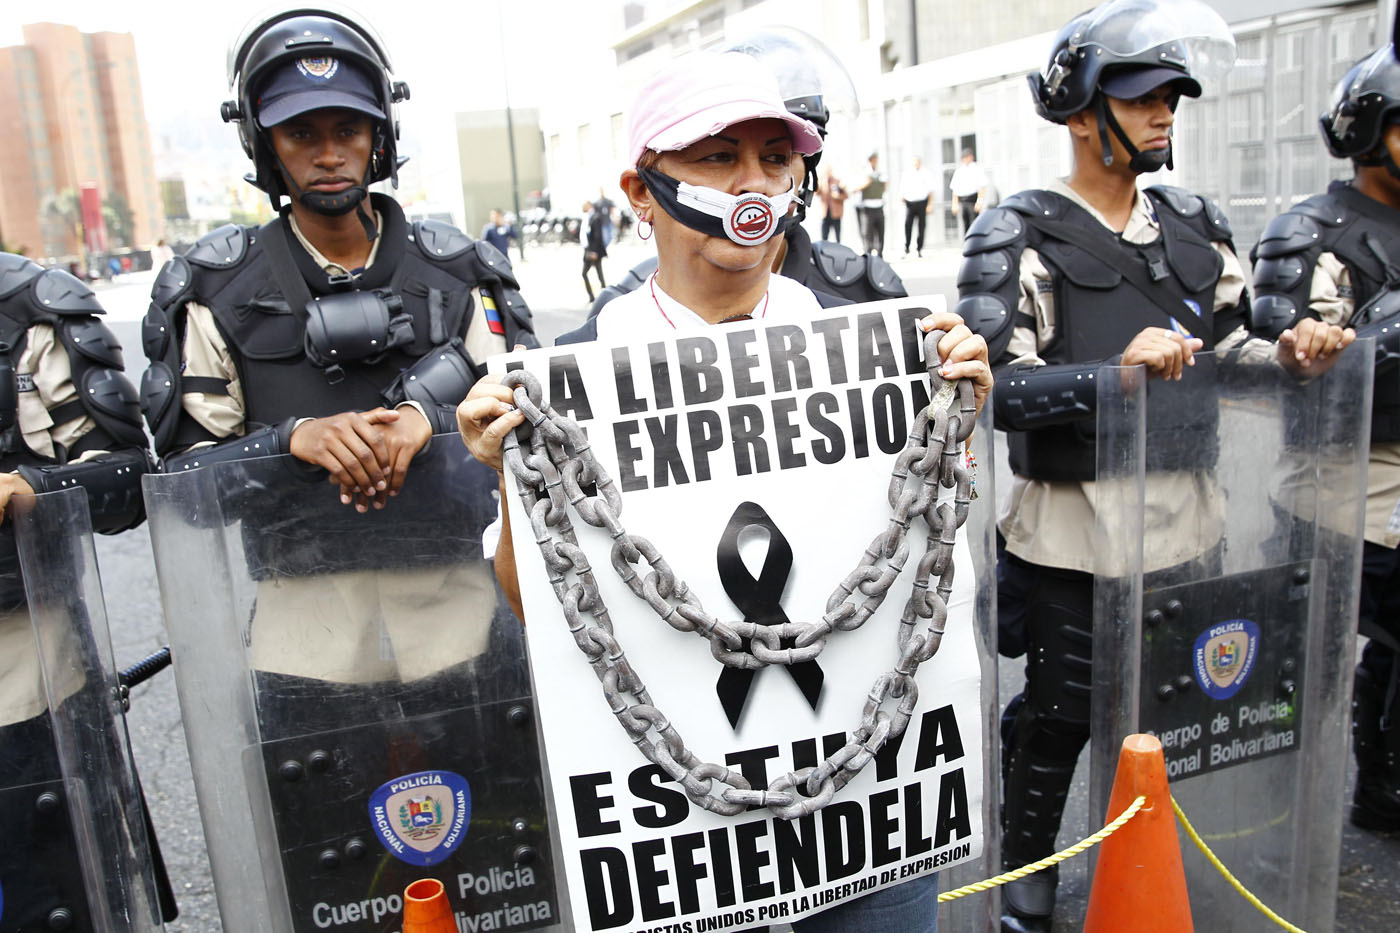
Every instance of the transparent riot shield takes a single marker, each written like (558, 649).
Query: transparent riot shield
(355, 694)
(1229, 512)
(75, 853)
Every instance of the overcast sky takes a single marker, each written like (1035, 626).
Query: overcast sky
(449, 53)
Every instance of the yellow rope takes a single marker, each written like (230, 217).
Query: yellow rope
(1234, 882)
(1081, 846)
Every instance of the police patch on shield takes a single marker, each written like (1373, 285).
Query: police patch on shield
(421, 818)
(1224, 657)
(750, 221)
(323, 67)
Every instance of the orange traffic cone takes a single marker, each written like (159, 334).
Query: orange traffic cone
(1139, 883)
(425, 908)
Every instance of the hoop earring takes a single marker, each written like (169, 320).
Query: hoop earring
(650, 229)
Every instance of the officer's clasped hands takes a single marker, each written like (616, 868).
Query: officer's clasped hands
(366, 453)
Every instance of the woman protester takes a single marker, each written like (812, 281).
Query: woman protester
(707, 135)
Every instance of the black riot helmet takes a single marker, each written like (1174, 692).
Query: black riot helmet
(343, 63)
(1125, 49)
(813, 82)
(1364, 103)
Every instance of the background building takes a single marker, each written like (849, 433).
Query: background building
(935, 77)
(74, 99)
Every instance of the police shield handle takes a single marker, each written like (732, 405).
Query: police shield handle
(1139, 883)
(425, 908)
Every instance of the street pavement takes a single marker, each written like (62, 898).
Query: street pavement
(550, 277)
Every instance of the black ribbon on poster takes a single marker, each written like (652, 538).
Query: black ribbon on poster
(760, 600)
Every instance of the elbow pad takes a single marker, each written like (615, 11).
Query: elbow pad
(112, 483)
(1027, 399)
(264, 442)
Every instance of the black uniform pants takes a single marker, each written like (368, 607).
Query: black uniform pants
(872, 228)
(1376, 709)
(915, 214)
(1045, 727)
(596, 264)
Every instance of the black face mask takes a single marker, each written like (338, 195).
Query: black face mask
(1139, 162)
(749, 219)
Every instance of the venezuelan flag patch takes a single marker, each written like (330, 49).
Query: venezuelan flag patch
(493, 316)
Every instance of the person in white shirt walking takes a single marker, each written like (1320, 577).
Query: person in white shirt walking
(966, 186)
(916, 189)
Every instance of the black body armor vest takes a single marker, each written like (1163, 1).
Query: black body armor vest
(1098, 310)
(427, 271)
(1365, 236)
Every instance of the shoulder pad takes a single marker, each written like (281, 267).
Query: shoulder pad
(983, 272)
(1179, 200)
(1034, 201)
(1271, 315)
(1287, 234)
(221, 248)
(1327, 209)
(61, 293)
(839, 265)
(440, 241)
(160, 402)
(16, 272)
(998, 227)
(1218, 221)
(175, 280)
(987, 316)
(93, 339)
(883, 278)
(112, 401)
(497, 261)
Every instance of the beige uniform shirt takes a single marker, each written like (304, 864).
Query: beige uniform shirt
(45, 380)
(207, 354)
(1052, 524)
(1332, 301)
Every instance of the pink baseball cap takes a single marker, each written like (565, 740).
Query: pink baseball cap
(700, 93)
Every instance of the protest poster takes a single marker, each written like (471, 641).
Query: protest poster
(730, 440)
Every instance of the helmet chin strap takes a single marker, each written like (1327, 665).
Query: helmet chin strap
(1384, 158)
(748, 219)
(1139, 162)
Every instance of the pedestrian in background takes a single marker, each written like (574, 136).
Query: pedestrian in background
(915, 189)
(833, 195)
(595, 246)
(870, 212)
(966, 186)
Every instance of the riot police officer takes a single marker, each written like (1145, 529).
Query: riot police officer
(1060, 281)
(814, 85)
(68, 418)
(338, 333)
(1335, 258)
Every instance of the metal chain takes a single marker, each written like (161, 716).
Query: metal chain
(550, 457)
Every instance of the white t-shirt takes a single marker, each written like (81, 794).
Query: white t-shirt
(967, 180)
(917, 185)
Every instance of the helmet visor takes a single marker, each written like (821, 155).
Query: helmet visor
(805, 68)
(1195, 36)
